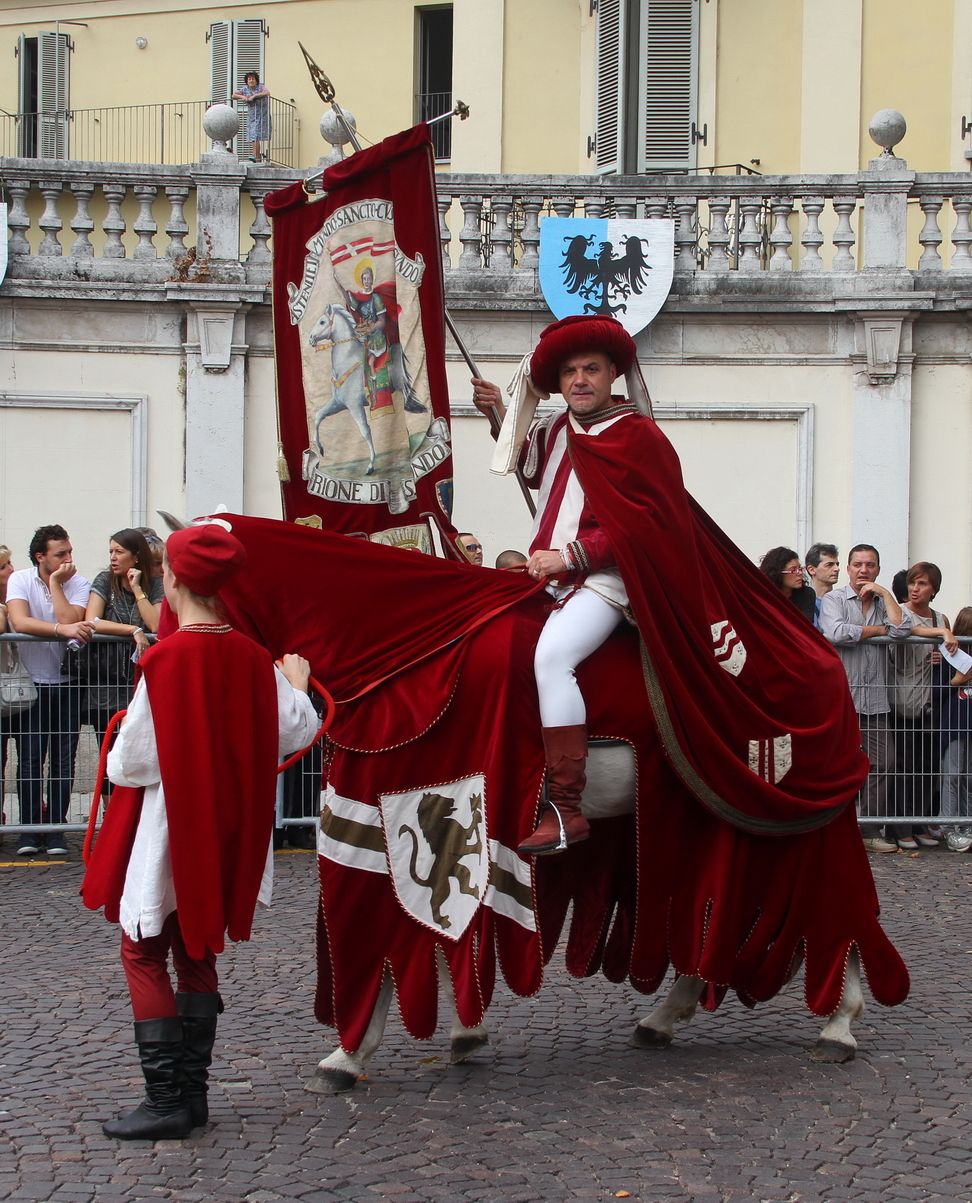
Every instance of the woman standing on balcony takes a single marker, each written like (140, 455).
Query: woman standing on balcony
(259, 127)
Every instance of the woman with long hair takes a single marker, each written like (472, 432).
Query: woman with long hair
(782, 566)
(912, 670)
(955, 724)
(125, 599)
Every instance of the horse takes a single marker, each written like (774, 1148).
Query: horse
(335, 330)
(610, 792)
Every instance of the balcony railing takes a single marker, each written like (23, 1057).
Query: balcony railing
(143, 133)
(792, 235)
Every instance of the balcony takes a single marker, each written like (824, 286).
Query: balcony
(144, 133)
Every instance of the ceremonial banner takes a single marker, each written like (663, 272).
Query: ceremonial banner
(360, 346)
(612, 268)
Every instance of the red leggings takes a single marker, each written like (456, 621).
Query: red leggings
(146, 967)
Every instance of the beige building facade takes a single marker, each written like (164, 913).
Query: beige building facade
(813, 363)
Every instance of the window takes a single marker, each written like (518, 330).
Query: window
(43, 95)
(235, 47)
(434, 75)
(647, 66)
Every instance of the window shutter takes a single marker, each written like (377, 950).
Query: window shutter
(24, 99)
(248, 54)
(668, 83)
(220, 70)
(26, 103)
(610, 57)
(53, 54)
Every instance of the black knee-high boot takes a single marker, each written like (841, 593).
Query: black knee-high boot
(164, 1114)
(198, 1014)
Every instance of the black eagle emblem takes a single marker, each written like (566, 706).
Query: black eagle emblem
(606, 277)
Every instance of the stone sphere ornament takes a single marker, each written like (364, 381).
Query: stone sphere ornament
(887, 128)
(333, 131)
(221, 123)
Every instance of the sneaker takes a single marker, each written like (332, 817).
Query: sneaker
(958, 841)
(936, 832)
(927, 840)
(29, 846)
(56, 845)
(877, 844)
(908, 843)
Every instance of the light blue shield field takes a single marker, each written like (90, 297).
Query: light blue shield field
(606, 267)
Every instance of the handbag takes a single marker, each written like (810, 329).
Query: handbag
(17, 689)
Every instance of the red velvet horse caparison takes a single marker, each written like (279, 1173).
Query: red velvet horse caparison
(726, 871)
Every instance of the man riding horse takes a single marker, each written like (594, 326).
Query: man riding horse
(580, 358)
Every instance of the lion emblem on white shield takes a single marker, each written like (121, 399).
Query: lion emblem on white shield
(449, 841)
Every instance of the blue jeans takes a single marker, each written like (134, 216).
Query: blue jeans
(51, 725)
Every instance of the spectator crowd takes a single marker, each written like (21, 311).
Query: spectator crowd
(52, 688)
(912, 704)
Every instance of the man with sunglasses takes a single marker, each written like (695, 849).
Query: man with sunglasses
(472, 547)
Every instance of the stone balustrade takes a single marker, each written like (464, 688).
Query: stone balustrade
(132, 223)
(129, 223)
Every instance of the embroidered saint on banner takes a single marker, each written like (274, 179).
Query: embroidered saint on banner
(370, 429)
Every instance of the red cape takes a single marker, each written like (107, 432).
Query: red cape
(690, 589)
(214, 705)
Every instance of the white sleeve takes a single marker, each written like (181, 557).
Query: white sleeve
(297, 721)
(134, 758)
(77, 590)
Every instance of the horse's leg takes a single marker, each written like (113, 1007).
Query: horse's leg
(464, 1042)
(341, 1070)
(836, 1043)
(357, 412)
(401, 381)
(657, 1029)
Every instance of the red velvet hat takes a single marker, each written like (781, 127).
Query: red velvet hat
(573, 336)
(203, 558)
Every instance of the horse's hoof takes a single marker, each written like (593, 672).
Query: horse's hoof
(832, 1052)
(330, 1081)
(371, 471)
(649, 1038)
(463, 1047)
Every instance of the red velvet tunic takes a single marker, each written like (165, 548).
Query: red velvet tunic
(214, 703)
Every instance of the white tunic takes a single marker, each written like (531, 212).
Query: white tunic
(149, 894)
(606, 582)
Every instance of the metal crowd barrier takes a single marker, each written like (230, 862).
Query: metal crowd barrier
(919, 739)
(50, 748)
(918, 736)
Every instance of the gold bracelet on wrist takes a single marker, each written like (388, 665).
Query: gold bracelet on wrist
(141, 597)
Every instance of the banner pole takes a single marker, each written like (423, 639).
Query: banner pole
(495, 421)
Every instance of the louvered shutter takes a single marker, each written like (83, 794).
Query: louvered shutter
(26, 103)
(610, 57)
(52, 95)
(248, 38)
(248, 54)
(220, 62)
(668, 83)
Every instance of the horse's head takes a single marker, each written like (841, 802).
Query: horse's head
(324, 328)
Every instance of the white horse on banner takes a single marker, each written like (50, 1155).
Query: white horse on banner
(335, 331)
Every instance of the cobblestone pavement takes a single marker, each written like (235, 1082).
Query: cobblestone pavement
(556, 1109)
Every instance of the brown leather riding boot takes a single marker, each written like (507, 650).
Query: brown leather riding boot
(562, 823)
